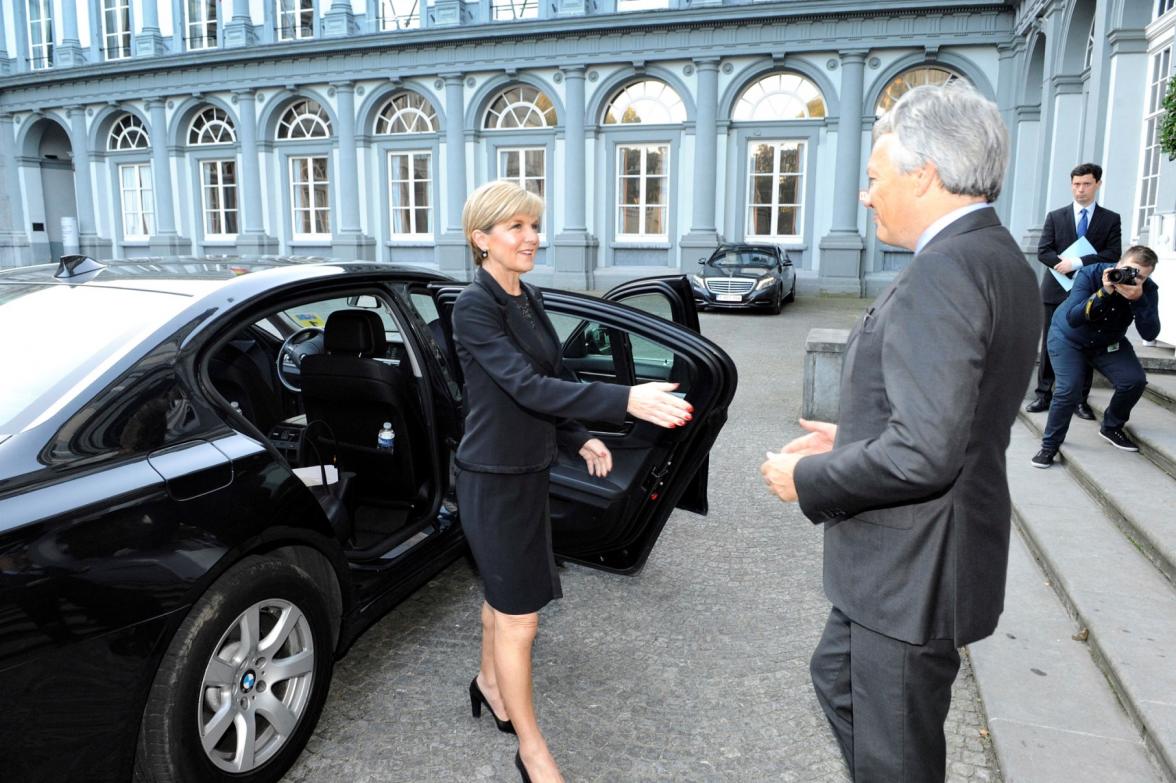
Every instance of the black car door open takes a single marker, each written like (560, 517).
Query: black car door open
(612, 523)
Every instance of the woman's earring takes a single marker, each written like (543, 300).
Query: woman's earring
(485, 253)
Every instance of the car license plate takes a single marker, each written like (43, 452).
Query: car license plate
(729, 297)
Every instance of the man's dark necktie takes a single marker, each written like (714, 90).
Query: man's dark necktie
(1082, 224)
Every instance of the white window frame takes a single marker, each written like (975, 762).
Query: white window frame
(116, 44)
(313, 208)
(213, 122)
(294, 10)
(513, 10)
(196, 27)
(40, 16)
(1164, 6)
(137, 202)
(524, 177)
(775, 206)
(642, 205)
(1159, 74)
(221, 189)
(411, 207)
(398, 15)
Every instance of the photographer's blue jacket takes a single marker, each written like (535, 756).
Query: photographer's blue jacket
(1092, 318)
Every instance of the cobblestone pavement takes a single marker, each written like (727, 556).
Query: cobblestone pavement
(696, 669)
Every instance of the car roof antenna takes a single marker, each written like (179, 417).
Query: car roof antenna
(77, 266)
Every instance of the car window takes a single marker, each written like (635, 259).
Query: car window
(316, 313)
(648, 355)
(90, 328)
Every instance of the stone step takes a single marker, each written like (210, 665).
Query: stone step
(1051, 716)
(1152, 427)
(1105, 581)
(1136, 494)
(1161, 389)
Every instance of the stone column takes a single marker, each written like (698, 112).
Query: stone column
(165, 241)
(452, 255)
(841, 249)
(348, 241)
(91, 244)
(96, 44)
(148, 42)
(69, 52)
(703, 185)
(15, 249)
(239, 31)
(339, 21)
(575, 249)
(252, 239)
(5, 63)
(179, 26)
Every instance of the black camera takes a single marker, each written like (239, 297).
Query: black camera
(1123, 275)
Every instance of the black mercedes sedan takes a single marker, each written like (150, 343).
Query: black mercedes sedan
(747, 277)
(201, 504)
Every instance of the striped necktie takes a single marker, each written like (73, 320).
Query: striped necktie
(1082, 224)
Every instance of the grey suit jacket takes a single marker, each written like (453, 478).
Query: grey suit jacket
(914, 496)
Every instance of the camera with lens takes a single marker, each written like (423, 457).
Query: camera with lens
(1123, 275)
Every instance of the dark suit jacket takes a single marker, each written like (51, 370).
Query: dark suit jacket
(1104, 232)
(914, 496)
(515, 401)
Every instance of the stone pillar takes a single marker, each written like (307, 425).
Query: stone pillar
(91, 244)
(348, 241)
(452, 253)
(339, 21)
(69, 52)
(252, 239)
(148, 42)
(841, 249)
(96, 54)
(575, 248)
(15, 249)
(179, 26)
(1130, 80)
(824, 355)
(165, 241)
(239, 31)
(703, 238)
(5, 63)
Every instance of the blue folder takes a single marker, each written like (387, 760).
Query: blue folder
(1080, 248)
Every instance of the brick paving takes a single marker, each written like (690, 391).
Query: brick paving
(694, 670)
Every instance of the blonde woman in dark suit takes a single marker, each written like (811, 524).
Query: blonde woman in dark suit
(518, 413)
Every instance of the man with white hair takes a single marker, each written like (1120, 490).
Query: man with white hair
(910, 485)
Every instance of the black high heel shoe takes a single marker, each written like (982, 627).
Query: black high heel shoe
(522, 769)
(477, 699)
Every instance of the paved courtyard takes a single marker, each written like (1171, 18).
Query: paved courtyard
(694, 670)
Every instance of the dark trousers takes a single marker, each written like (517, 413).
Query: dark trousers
(1122, 369)
(886, 701)
(1045, 370)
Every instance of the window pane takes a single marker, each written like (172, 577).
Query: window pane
(630, 220)
(761, 221)
(655, 191)
(761, 190)
(420, 167)
(655, 161)
(630, 160)
(322, 222)
(787, 223)
(510, 164)
(320, 168)
(763, 158)
(655, 220)
(788, 190)
(535, 163)
(630, 190)
(790, 159)
(422, 221)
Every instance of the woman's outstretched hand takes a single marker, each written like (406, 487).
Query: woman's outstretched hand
(652, 402)
(597, 457)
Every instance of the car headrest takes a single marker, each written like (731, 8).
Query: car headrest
(354, 332)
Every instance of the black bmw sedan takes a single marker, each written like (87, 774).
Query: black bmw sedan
(201, 506)
(746, 277)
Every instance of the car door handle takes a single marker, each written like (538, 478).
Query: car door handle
(192, 469)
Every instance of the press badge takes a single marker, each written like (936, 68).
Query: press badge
(1112, 348)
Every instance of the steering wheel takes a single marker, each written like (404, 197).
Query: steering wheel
(307, 341)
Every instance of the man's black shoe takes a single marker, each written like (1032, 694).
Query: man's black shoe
(1083, 411)
(1038, 405)
(1044, 458)
(1118, 439)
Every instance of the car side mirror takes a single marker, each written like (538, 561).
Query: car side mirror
(701, 261)
(787, 261)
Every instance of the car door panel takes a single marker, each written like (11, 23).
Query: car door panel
(613, 523)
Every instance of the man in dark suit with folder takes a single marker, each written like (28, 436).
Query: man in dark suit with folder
(1099, 226)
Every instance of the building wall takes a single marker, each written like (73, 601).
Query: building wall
(1030, 57)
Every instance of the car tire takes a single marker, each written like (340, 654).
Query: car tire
(791, 295)
(213, 679)
(778, 306)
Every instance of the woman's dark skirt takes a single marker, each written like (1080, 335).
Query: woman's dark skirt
(506, 520)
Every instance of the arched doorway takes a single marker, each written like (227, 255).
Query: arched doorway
(49, 178)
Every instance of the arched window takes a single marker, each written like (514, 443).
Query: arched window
(305, 119)
(310, 184)
(211, 126)
(406, 113)
(1089, 56)
(128, 134)
(520, 107)
(780, 96)
(647, 102)
(914, 77)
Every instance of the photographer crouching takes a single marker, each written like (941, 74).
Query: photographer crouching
(1090, 327)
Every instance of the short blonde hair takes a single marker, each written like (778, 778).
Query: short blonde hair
(493, 203)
